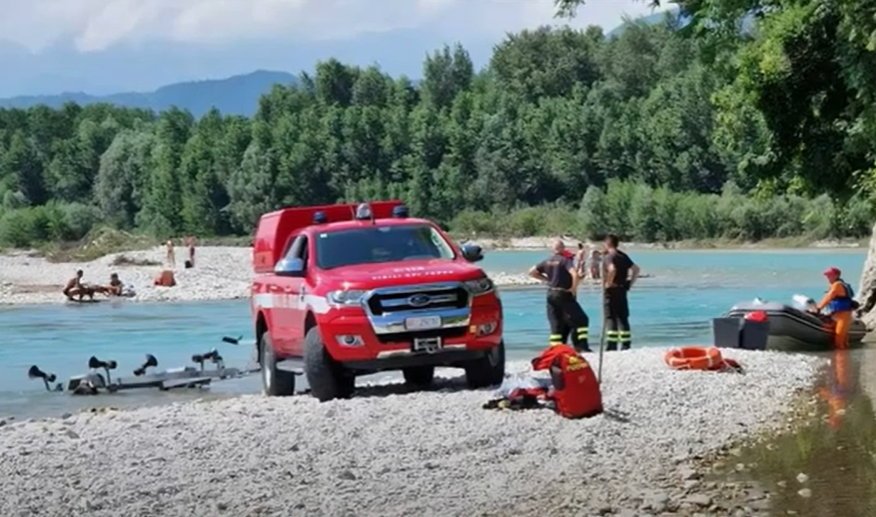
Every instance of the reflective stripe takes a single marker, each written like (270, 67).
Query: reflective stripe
(290, 300)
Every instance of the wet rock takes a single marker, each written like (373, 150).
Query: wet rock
(347, 475)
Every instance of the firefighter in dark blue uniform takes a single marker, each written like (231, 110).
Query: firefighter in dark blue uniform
(563, 310)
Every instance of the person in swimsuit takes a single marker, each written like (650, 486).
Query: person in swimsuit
(581, 261)
(115, 286)
(171, 258)
(595, 265)
(74, 287)
(190, 243)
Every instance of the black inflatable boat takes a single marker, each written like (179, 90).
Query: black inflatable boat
(794, 330)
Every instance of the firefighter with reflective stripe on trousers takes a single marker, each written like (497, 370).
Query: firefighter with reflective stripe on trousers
(839, 302)
(620, 275)
(563, 311)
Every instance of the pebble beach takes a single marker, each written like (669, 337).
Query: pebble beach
(427, 453)
(222, 273)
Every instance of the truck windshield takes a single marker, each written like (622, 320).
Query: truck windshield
(375, 244)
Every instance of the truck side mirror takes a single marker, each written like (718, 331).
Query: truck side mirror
(291, 267)
(472, 252)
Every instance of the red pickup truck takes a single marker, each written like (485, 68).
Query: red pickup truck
(347, 290)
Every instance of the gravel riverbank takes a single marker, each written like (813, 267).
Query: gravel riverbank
(222, 273)
(394, 454)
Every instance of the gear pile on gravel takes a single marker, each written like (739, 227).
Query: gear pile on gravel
(388, 453)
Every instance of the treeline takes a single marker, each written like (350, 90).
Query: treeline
(557, 117)
(640, 213)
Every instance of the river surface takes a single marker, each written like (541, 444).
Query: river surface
(674, 307)
(828, 467)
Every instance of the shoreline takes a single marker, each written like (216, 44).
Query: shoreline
(544, 243)
(221, 273)
(643, 456)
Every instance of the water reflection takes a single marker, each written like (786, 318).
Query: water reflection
(837, 453)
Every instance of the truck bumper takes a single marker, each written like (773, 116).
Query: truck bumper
(352, 340)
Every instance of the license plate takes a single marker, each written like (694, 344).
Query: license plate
(429, 345)
(423, 323)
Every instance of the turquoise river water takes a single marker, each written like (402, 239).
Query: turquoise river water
(674, 306)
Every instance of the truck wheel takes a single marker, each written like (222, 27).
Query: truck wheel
(275, 382)
(327, 378)
(419, 376)
(488, 370)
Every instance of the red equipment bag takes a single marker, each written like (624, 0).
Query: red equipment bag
(575, 392)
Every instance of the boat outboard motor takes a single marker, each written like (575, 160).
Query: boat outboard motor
(151, 362)
(94, 363)
(48, 378)
(211, 356)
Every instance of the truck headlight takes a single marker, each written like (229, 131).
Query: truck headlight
(481, 286)
(353, 297)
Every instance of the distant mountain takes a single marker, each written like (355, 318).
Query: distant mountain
(237, 95)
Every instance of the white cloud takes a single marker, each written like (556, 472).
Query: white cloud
(99, 24)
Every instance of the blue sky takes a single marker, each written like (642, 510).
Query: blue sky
(103, 46)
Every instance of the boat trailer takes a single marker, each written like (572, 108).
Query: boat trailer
(99, 378)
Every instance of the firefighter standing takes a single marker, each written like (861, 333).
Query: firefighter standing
(563, 310)
(620, 275)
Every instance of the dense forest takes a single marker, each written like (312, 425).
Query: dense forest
(661, 133)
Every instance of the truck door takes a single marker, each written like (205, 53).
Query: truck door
(294, 289)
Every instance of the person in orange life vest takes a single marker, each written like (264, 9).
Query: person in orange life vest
(839, 302)
(575, 390)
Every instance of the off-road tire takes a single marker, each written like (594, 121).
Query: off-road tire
(275, 382)
(488, 370)
(327, 378)
(419, 376)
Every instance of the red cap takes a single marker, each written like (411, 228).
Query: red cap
(832, 271)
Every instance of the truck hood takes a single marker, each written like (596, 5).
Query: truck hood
(400, 273)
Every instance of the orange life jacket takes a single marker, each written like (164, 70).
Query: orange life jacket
(575, 392)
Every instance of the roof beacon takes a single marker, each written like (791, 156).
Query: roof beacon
(320, 218)
(400, 212)
(363, 212)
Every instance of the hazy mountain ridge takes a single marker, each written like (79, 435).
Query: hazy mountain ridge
(235, 95)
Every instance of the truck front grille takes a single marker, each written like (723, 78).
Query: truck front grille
(436, 298)
(400, 337)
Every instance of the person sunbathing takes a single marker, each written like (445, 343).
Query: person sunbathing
(74, 287)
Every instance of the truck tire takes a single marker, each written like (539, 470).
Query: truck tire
(488, 370)
(419, 376)
(275, 382)
(327, 378)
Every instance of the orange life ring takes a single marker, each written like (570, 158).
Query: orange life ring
(694, 358)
